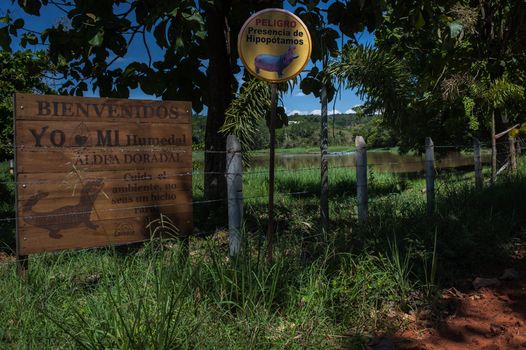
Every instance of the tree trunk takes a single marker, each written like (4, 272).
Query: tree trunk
(220, 95)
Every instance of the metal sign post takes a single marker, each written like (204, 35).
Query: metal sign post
(274, 45)
(324, 145)
(270, 227)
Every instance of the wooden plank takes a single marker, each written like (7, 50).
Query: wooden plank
(108, 232)
(116, 184)
(72, 108)
(39, 204)
(43, 135)
(62, 217)
(71, 160)
(500, 134)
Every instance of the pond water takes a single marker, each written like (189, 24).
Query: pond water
(382, 161)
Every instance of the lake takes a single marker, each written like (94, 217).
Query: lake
(383, 161)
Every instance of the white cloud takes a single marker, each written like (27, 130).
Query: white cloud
(300, 94)
(313, 112)
(329, 112)
(295, 111)
(350, 111)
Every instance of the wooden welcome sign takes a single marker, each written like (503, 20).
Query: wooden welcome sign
(95, 171)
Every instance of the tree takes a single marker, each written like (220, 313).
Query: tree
(451, 61)
(23, 71)
(198, 63)
(252, 103)
(198, 43)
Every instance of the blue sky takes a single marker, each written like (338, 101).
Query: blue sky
(294, 102)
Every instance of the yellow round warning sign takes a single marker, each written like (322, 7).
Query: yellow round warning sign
(274, 45)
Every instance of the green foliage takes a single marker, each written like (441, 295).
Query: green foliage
(501, 92)
(251, 106)
(469, 105)
(375, 74)
(99, 32)
(461, 60)
(22, 71)
(7, 206)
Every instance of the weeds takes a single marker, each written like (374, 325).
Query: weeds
(167, 295)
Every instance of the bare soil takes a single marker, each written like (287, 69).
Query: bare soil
(485, 319)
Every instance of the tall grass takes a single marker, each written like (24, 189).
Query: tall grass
(162, 299)
(316, 294)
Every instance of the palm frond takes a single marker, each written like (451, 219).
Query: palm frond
(243, 114)
(376, 75)
(502, 91)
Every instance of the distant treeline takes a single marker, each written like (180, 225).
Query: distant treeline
(304, 131)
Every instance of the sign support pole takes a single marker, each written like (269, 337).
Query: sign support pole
(22, 262)
(272, 129)
(324, 144)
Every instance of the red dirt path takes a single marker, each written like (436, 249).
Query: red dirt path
(487, 319)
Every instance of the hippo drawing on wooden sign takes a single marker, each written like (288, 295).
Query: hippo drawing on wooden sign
(64, 217)
(273, 63)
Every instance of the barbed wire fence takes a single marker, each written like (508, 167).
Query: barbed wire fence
(442, 175)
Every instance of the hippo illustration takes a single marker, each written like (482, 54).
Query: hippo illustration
(272, 63)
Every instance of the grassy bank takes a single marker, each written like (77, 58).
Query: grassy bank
(319, 292)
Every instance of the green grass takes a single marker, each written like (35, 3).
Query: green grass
(316, 294)
(158, 299)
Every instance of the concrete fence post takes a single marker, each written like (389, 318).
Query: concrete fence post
(234, 180)
(361, 178)
(478, 164)
(430, 175)
(513, 154)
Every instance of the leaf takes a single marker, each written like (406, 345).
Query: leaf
(179, 43)
(160, 34)
(311, 5)
(195, 17)
(201, 34)
(92, 16)
(281, 118)
(31, 7)
(421, 21)
(5, 39)
(29, 38)
(455, 28)
(151, 84)
(335, 12)
(18, 23)
(97, 39)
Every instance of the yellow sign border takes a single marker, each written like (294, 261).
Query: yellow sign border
(241, 53)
